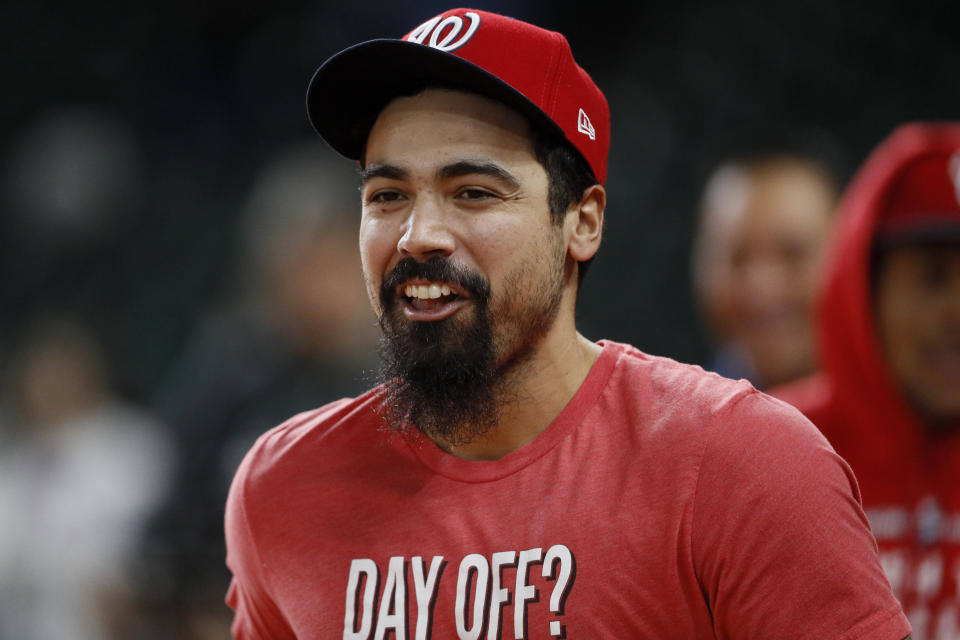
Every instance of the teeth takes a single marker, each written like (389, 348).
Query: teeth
(426, 291)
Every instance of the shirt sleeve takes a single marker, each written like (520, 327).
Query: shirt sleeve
(256, 616)
(781, 545)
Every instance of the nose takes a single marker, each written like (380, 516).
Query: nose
(764, 280)
(427, 231)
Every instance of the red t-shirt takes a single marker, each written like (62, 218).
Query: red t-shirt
(663, 502)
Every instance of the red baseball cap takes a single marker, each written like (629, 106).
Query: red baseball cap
(926, 196)
(527, 68)
(923, 199)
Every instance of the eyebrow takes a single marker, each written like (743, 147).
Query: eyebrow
(388, 171)
(453, 170)
(469, 167)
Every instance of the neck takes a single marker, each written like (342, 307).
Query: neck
(534, 393)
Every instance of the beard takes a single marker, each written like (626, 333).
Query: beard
(448, 378)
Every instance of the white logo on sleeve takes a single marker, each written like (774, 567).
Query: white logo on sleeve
(445, 35)
(584, 125)
(955, 173)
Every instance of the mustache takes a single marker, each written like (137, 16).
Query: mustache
(437, 269)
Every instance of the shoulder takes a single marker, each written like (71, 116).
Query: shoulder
(817, 398)
(301, 452)
(306, 438)
(810, 395)
(692, 403)
(773, 502)
(664, 380)
(760, 439)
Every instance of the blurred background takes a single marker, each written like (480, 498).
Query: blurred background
(178, 260)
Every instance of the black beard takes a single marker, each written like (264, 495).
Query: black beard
(439, 377)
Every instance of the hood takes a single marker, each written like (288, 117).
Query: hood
(850, 352)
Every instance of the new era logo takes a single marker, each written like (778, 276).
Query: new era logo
(584, 125)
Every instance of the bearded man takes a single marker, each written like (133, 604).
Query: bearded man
(510, 478)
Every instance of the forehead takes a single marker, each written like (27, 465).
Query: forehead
(437, 125)
(786, 196)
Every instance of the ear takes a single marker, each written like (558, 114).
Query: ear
(585, 223)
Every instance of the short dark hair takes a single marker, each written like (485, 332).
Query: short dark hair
(568, 176)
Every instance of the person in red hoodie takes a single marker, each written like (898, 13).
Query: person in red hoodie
(888, 394)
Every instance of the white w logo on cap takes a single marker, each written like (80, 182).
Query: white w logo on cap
(449, 41)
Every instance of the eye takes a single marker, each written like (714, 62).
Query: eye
(475, 194)
(934, 273)
(384, 196)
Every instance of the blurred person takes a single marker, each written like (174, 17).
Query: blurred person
(295, 331)
(888, 394)
(80, 470)
(510, 478)
(765, 214)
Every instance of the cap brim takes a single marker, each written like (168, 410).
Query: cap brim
(348, 91)
(919, 232)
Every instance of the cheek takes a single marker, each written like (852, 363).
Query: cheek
(373, 293)
(378, 244)
(493, 249)
(495, 239)
(722, 296)
(531, 269)
(376, 251)
(900, 326)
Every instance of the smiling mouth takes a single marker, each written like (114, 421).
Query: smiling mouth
(427, 301)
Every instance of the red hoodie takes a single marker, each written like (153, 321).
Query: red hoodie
(909, 474)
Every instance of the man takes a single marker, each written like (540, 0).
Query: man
(888, 397)
(510, 478)
(764, 218)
